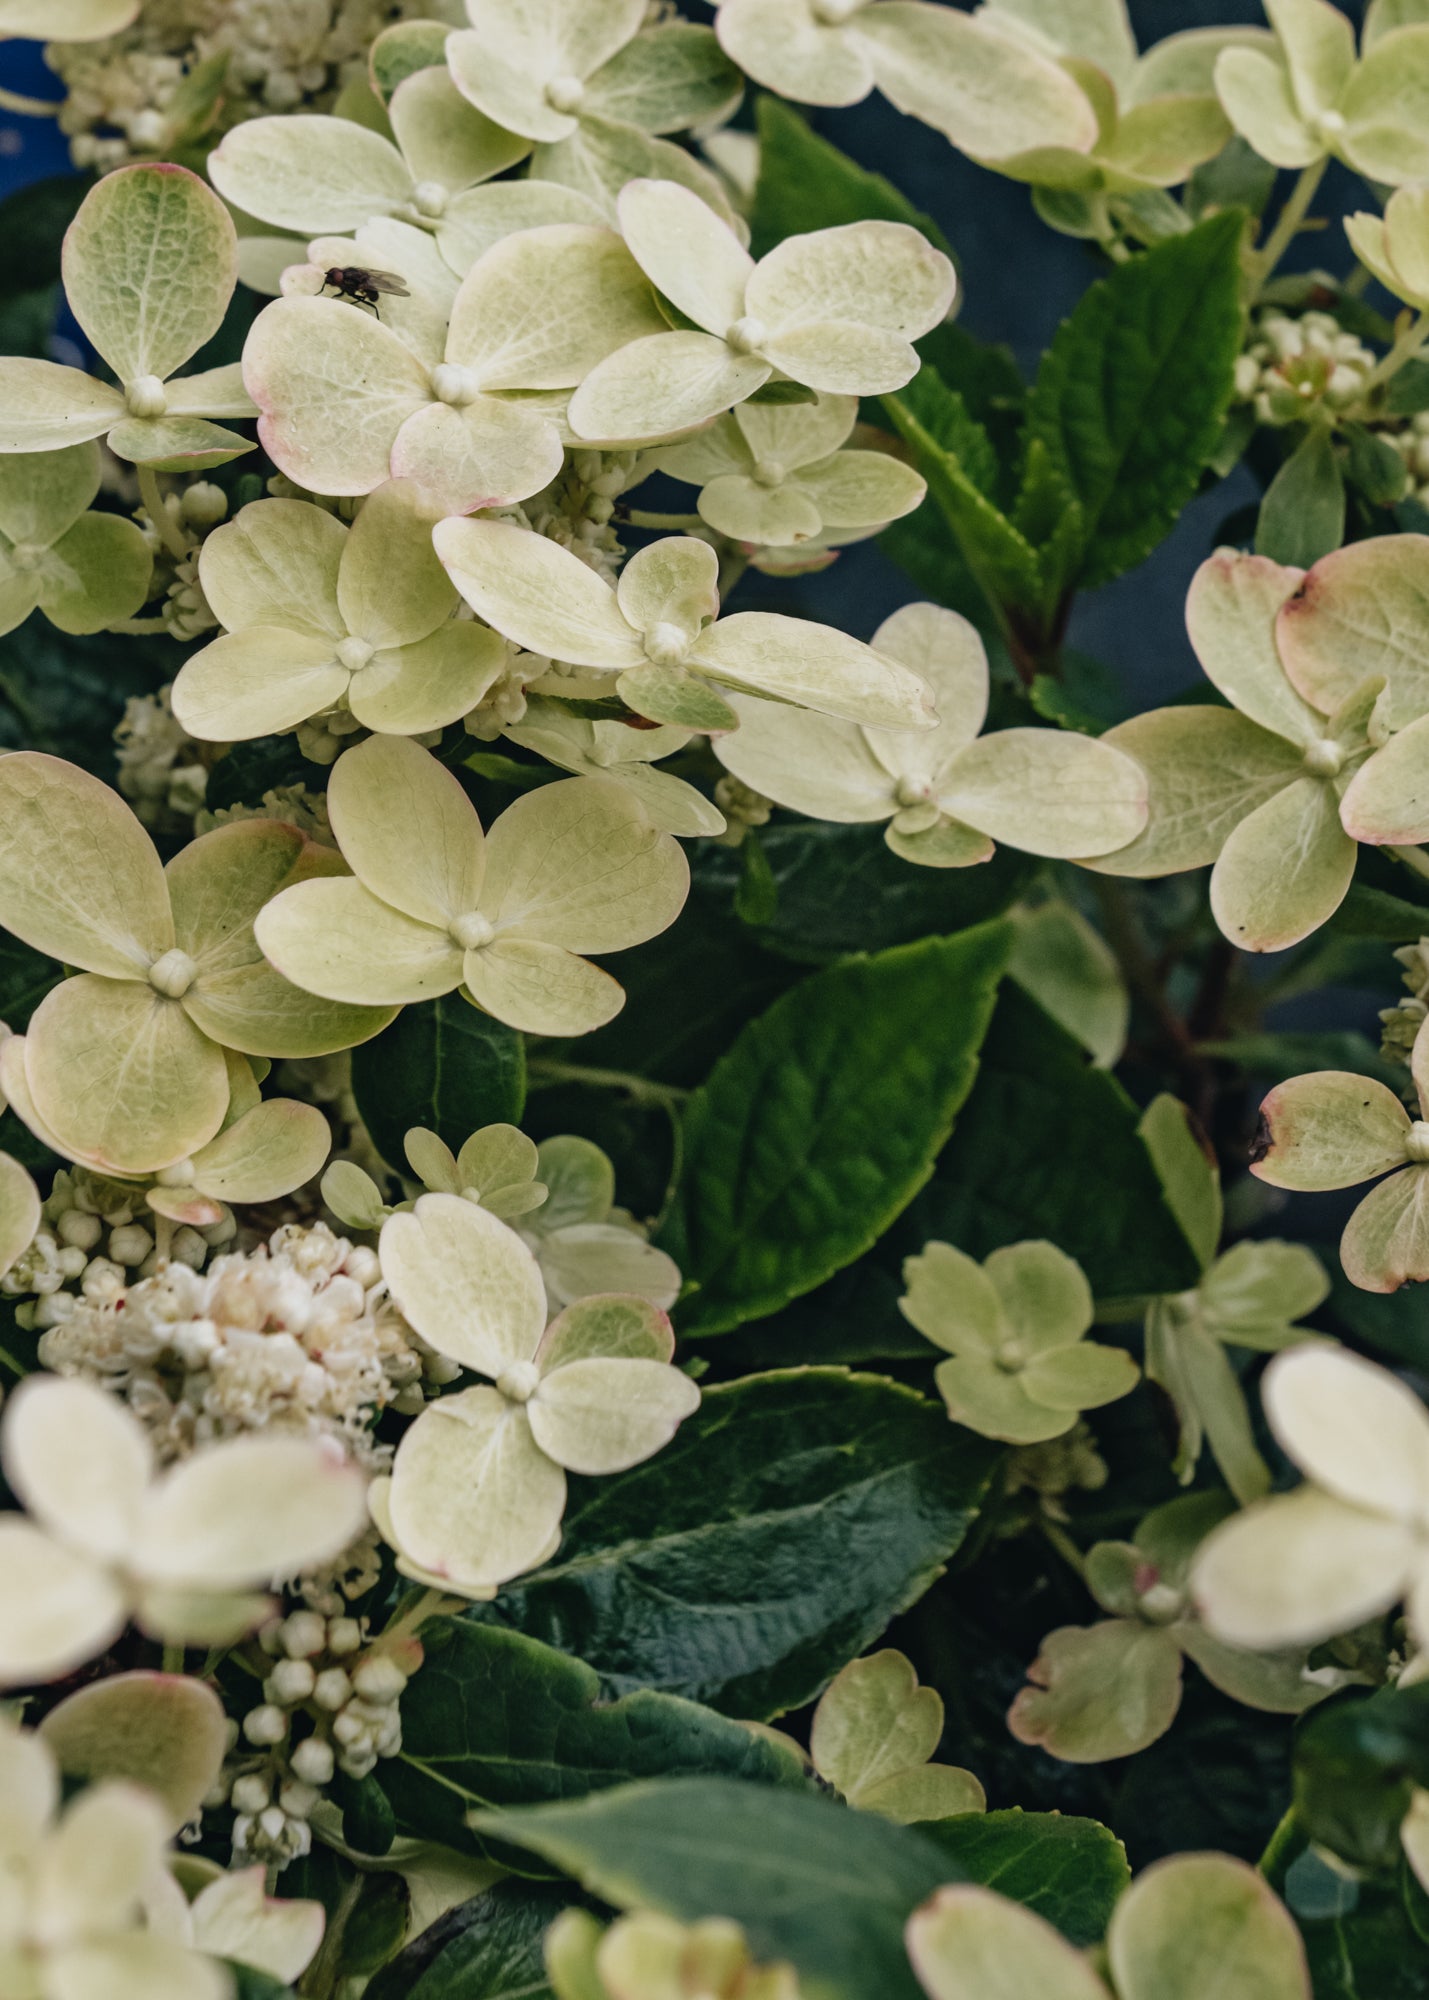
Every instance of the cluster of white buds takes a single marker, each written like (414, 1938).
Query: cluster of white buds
(504, 703)
(93, 1244)
(160, 769)
(295, 806)
(577, 508)
(330, 1703)
(296, 1335)
(1048, 1472)
(1292, 365)
(1411, 441)
(743, 808)
(1402, 1022)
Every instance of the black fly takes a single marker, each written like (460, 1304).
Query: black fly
(361, 287)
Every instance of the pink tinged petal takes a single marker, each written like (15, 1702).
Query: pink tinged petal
(335, 387)
(474, 1499)
(1330, 1129)
(542, 989)
(663, 384)
(408, 830)
(1359, 613)
(688, 254)
(257, 682)
(44, 407)
(972, 1944)
(1099, 1691)
(467, 1282)
(1353, 1428)
(276, 563)
(268, 1152)
(79, 877)
(122, 1075)
(781, 44)
(1230, 614)
(58, 1608)
(1387, 801)
(426, 685)
(250, 1510)
(488, 453)
(1386, 1240)
(1285, 870)
(166, 1732)
(602, 1415)
(79, 1461)
(334, 938)
(537, 594)
(313, 175)
(1298, 1568)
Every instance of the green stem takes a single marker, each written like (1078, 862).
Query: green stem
(1287, 227)
(1282, 1838)
(1413, 858)
(1404, 349)
(10, 1362)
(431, 1604)
(173, 1659)
(28, 107)
(1066, 1548)
(139, 628)
(168, 531)
(544, 1074)
(680, 524)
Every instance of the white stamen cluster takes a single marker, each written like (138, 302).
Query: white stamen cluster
(1293, 364)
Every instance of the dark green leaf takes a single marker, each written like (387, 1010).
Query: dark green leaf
(805, 183)
(1373, 467)
(445, 1065)
(498, 1719)
(1302, 516)
(810, 1880)
(756, 895)
(1373, 1953)
(1047, 1146)
(1277, 1056)
(1130, 397)
(487, 1949)
(792, 1517)
(1236, 178)
(266, 764)
(781, 393)
(65, 694)
(403, 49)
(1086, 696)
(251, 1984)
(1069, 1871)
(367, 1822)
(821, 1123)
(1407, 392)
(1397, 1323)
(1357, 1760)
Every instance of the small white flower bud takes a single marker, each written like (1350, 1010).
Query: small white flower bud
(204, 505)
(379, 1679)
(298, 1800)
(344, 1636)
(332, 1689)
(302, 1634)
(265, 1726)
(78, 1230)
(131, 1244)
(291, 1681)
(362, 1265)
(313, 1761)
(250, 1793)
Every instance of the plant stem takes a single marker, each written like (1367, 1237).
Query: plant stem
(682, 524)
(168, 531)
(28, 107)
(139, 628)
(544, 1074)
(1404, 349)
(1124, 936)
(1413, 858)
(173, 1659)
(1287, 227)
(431, 1604)
(1066, 1548)
(1283, 1835)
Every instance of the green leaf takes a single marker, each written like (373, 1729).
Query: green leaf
(1397, 1323)
(805, 183)
(1302, 516)
(1373, 467)
(251, 1984)
(1046, 1146)
(65, 694)
(1406, 392)
(1068, 1870)
(486, 1949)
(1131, 395)
(756, 895)
(266, 764)
(497, 1719)
(810, 1880)
(791, 1518)
(1372, 1953)
(1277, 1056)
(822, 1122)
(1356, 1761)
(444, 1065)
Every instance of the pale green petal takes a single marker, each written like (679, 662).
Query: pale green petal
(149, 263)
(1298, 1568)
(43, 493)
(668, 802)
(671, 583)
(489, 453)
(523, 44)
(988, 1400)
(1387, 801)
(79, 877)
(537, 593)
(580, 1179)
(1285, 870)
(793, 435)
(235, 1918)
(611, 1328)
(1360, 613)
(814, 764)
(814, 665)
(1331, 1129)
(1043, 1296)
(276, 1147)
(656, 387)
(473, 1499)
(1230, 615)
(30, 1789)
(473, 221)
(214, 392)
(249, 1510)
(1047, 791)
(1279, 1683)
(783, 45)
(1205, 1923)
(256, 682)
(1255, 94)
(336, 939)
(1396, 248)
(44, 407)
(1098, 31)
(945, 844)
(135, 1966)
(219, 882)
(945, 651)
(89, 1874)
(1386, 1240)
(584, 1260)
(443, 137)
(433, 1161)
(542, 989)
(1207, 768)
(971, 1944)
(1099, 1691)
(843, 359)
(163, 1731)
(670, 77)
(856, 488)
(57, 1608)
(176, 444)
(19, 1211)
(428, 684)
(1262, 1284)
(603, 1415)
(276, 563)
(688, 254)
(934, 1791)
(1370, 245)
(603, 155)
(80, 1462)
(123, 1076)
(495, 1157)
(880, 275)
(334, 387)
(544, 306)
(873, 1722)
(953, 1302)
(1384, 105)
(466, 1281)
(674, 697)
(1069, 969)
(778, 516)
(391, 590)
(1083, 1377)
(95, 574)
(1352, 1427)
(19, 591)
(315, 175)
(408, 830)
(1318, 46)
(66, 20)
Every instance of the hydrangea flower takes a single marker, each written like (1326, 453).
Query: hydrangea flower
(624, 754)
(593, 89)
(133, 223)
(125, 1063)
(987, 92)
(19, 1211)
(1351, 1542)
(656, 631)
(946, 793)
(837, 310)
(873, 1735)
(347, 404)
(320, 616)
(1019, 1368)
(582, 1243)
(1312, 97)
(646, 1956)
(1110, 1689)
(84, 570)
(1276, 790)
(573, 867)
(182, 1553)
(777, 474)
(478, 1485)
(496, 1168)
(1395, 246)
